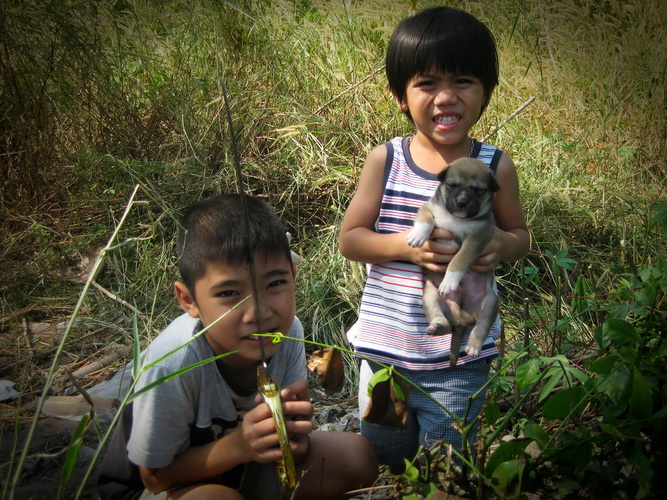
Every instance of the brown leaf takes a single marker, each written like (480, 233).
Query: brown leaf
(385, 406)
(327, 363)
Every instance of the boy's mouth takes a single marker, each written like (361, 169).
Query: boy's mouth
(447, 120)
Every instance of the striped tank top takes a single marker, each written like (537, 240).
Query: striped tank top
(392, 325)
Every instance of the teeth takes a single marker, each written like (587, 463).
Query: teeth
(446, 120)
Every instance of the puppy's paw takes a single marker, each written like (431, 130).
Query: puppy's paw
(438, 328)
(450, 283)
(419, 234)
(473, 351)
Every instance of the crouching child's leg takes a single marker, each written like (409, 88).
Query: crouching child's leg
(337, 462)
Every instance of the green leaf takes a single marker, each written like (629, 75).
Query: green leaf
(379, 376)
(73, 454)
(565, 403)
(506, 471)
(398, 389)
(615, 382)
(527, 373)
(411, 472)
(641, 400)
(507, 451)
(604, 364)
(492, 412)
(550, 384)
(620, 332)
(535, 432)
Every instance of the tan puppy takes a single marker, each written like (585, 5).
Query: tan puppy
(462, 205)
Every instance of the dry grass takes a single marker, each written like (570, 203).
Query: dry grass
(98, 97)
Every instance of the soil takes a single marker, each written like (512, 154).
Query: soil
(43, 467)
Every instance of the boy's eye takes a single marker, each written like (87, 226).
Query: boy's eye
(466, 80)
(425, 83)
(275, 283)
(227, 293)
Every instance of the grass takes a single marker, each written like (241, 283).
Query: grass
(98, 97)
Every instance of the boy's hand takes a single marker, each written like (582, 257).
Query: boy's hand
(436, 253)
(258, 429)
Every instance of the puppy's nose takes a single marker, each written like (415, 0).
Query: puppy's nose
(462, 201)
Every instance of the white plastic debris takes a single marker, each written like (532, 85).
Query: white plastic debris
(7, 391)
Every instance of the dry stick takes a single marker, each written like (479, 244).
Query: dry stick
(61, 347)
(351, 87)
(119, 300)
(495, 129)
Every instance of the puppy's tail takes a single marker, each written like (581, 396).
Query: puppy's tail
(455, 349)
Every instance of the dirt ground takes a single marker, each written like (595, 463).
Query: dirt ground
(43, 468)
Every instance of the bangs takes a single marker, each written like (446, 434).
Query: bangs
(445, 40)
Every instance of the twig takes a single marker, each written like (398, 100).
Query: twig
(116, 298)
(102, 362)
(26, 336)
(495, 129)
(351, 87)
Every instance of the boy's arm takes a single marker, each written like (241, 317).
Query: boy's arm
(511, 240)
(255, 441)
(358, 239)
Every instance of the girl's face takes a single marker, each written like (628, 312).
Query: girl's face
(444, 106)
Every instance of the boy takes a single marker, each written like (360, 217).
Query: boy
(206, 433)
(442, 69)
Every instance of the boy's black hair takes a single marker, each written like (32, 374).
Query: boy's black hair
(214, 231)
(444, 38)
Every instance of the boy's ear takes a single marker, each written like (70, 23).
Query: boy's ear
(487, 98)
(402, 103)
(186, 300)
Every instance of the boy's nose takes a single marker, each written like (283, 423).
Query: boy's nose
(445, 96)
(251, 315)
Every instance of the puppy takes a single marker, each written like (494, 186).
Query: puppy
(461, 204)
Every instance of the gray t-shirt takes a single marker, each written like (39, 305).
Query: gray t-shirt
(198, 406)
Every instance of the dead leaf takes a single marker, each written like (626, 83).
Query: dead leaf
(385, 406)
(327, 363)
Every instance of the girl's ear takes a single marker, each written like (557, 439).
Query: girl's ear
(186, 300)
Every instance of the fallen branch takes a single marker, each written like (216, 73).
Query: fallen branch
(518, 111)
(116, 298)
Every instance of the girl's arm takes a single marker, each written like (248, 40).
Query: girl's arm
(511, 239)
(358, 239)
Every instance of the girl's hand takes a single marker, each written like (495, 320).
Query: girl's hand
(436, 252)
(490, 257)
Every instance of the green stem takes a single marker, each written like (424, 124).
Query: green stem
(61, 347)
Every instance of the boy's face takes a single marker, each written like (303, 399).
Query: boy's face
(225, 286)
(444, 106)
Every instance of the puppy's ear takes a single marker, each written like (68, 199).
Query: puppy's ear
(442, 175)
(493, 183)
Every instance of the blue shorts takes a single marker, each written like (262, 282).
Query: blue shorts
(427, 423)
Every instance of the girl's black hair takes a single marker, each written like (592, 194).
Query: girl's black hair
(444, 38)
(213, 231)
